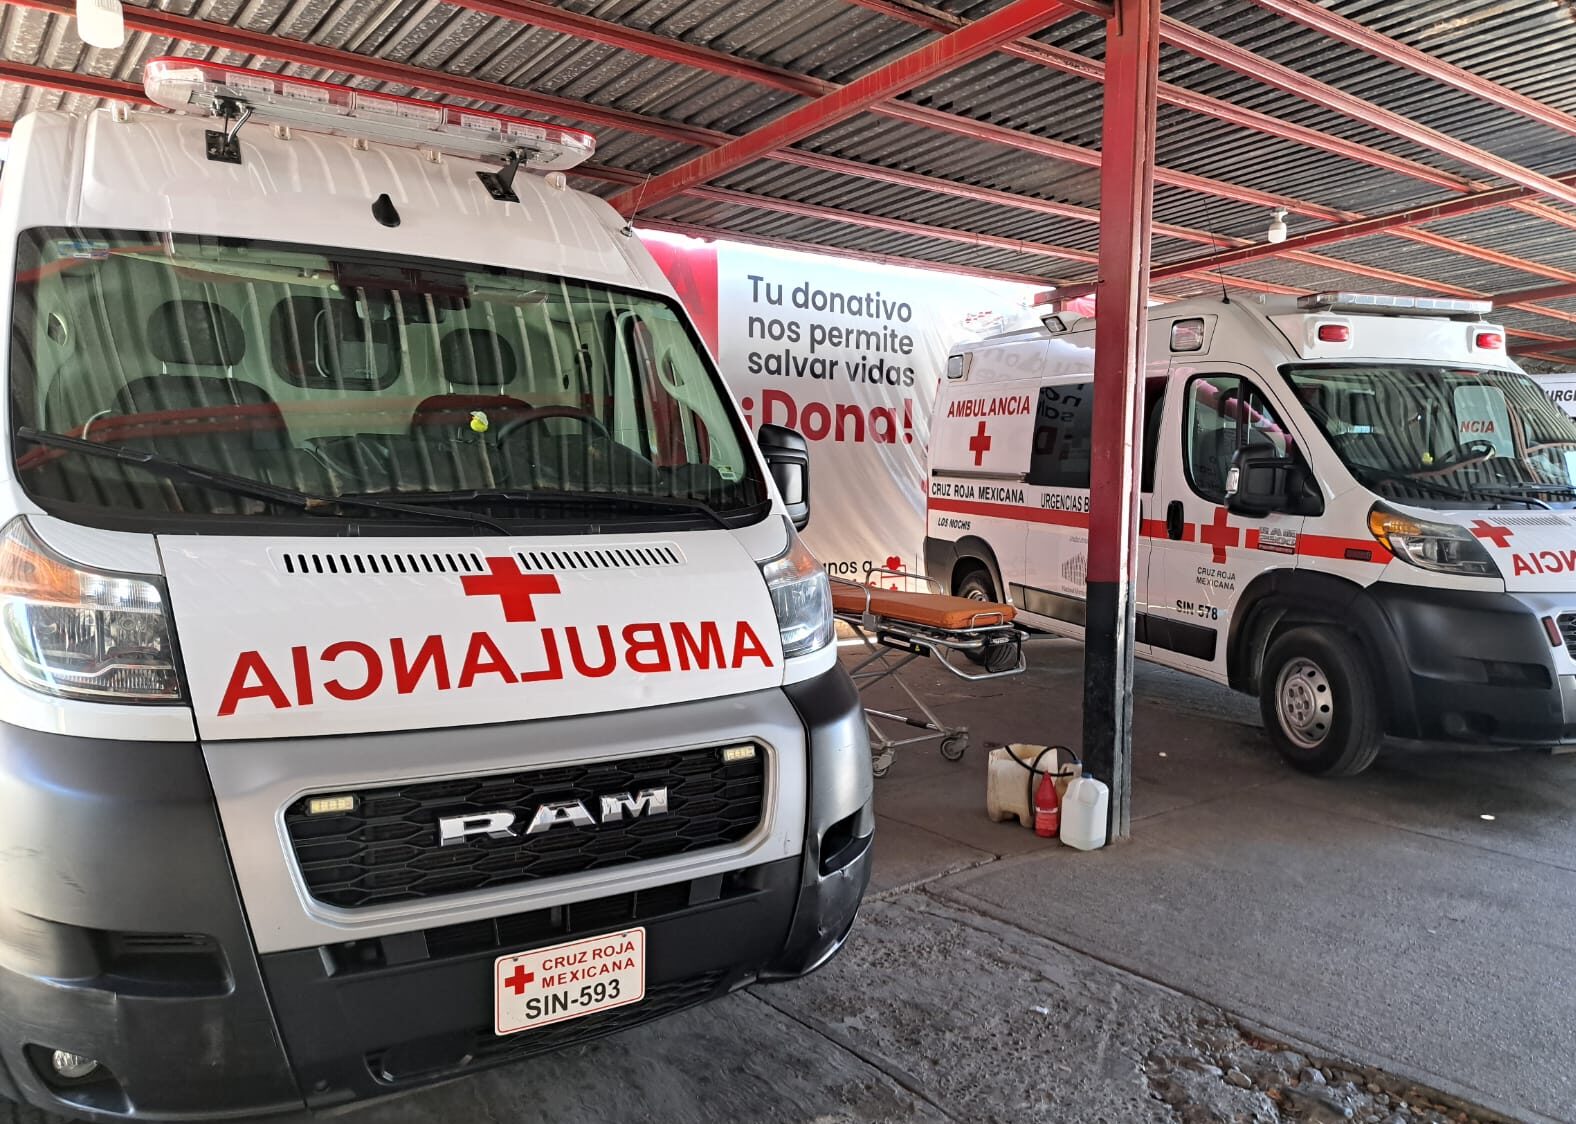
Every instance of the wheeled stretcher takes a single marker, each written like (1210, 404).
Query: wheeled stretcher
(974, 640)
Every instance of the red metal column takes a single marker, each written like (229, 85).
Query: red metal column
(933, 59)
(1132, 53)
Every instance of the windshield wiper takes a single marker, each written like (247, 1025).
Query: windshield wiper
(538, 495)
(1526, 489)
(307, 502)
(1368, 474)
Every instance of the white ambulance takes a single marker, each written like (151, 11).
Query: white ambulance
(1354, 506)
(409, 661)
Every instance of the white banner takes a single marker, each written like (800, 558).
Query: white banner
(848, 354)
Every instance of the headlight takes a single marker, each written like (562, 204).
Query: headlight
(802, 597)
(78, 633)
(1442, 547)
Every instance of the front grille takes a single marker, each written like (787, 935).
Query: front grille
(451, 1054)
(1567, 623)
(386, 848)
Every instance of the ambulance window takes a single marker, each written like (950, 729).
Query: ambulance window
(1225, 413)
(1063, 440)
(329, 342)
(1154, 400)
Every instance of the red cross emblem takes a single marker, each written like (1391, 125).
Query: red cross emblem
(979, 444)
(1219, 534)
(513, 588)
(516, 983)
(1500, 536)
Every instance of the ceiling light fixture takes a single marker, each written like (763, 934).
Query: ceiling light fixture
(1277, 231)
(101, 23)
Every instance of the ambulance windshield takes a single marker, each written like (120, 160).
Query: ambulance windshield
(524, 397)
(1443, 436)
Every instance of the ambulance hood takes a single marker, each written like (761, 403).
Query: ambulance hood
(299, 637)
(1534, 550)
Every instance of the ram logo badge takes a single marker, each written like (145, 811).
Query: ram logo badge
(613, 808)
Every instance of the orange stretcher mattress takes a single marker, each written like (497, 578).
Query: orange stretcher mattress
(930, 610)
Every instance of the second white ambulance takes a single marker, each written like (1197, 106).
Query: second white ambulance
(1356, 507)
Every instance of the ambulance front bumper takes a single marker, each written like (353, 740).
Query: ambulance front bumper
(123, 939)
(1469, 667)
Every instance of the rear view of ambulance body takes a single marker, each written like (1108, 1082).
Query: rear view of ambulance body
(409, 662)
(1354, 506)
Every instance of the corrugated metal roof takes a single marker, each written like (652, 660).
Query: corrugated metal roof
(1524, 44)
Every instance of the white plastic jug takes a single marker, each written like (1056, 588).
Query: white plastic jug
(1084, 808)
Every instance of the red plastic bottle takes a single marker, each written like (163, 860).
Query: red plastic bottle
(1047, 808)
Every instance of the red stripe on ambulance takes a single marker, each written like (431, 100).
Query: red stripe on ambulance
(1312, 546)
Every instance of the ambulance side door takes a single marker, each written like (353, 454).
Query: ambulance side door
(1055, 564)
(1201, 557)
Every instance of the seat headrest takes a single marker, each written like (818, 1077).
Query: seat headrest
(455, 409)
(476, 357)
(218, 405)
(192, 333)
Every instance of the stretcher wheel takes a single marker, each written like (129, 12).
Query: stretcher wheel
(881, 764)
(954, 746)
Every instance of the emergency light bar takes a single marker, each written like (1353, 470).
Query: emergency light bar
(225, 91)
(1380, 302)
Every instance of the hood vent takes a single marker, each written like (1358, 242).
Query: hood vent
(385, 562)
(620, 556)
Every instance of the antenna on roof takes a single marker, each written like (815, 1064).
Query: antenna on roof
(629, 223)
(1214, 243)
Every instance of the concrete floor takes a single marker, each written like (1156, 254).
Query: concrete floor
(1379, 919)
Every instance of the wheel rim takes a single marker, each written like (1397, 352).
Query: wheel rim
(975, 593)
(1304, 703)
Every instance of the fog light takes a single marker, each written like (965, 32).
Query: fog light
(328, 805)
(72, 1066)
(736, 753)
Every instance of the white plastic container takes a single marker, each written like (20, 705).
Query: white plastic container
(1084, 809)
(1008, 788)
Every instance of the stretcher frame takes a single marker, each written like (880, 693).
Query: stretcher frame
(891, 644)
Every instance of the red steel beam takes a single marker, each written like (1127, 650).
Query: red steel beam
(892, 226)
(708, 234)
(1354, 34)
(1232, 57)
(71, 82)
(1126, 200)
(1374, 224)
(935, 58)
(1546, 293)
(154, 21)
(1067, 62)
(1548, 349)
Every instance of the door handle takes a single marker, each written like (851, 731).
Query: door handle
(1174, 521)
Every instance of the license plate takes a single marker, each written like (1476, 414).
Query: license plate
(552, 985)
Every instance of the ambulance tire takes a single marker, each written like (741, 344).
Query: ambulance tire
(976, 586)
(1317, 697)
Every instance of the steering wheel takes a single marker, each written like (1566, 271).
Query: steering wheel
(1478, 449)
(539, 414)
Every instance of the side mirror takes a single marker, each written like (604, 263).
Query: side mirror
(1260, 481)
(788, 457)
